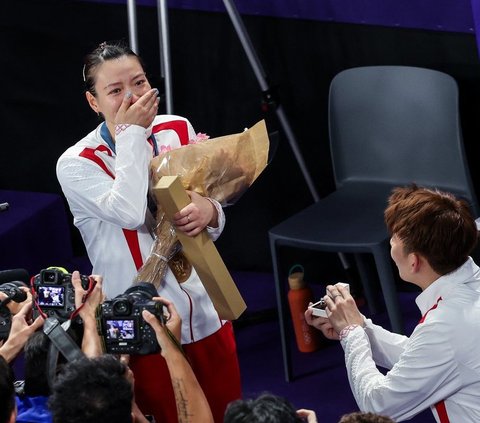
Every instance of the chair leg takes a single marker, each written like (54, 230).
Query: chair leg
(387, 282)
(282, 307)
(367, 277)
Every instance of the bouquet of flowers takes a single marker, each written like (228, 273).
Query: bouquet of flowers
(220, 168)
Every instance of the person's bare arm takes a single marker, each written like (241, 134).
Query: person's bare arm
(192, 405)
(21, 329)
(91, 342)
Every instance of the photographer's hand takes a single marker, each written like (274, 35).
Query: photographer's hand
(308, 416)
(173, 323)
(21, 329)
(15, 307)
(86, 306)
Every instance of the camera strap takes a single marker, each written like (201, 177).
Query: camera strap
(61, 342)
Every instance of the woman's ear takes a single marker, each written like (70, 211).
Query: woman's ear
(92, 101)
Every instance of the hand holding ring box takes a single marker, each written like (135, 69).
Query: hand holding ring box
(319, 307)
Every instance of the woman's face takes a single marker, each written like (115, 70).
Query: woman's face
(114, 78)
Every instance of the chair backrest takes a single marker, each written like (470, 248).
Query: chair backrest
(398, 124)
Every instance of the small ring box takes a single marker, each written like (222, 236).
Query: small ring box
(319, 307)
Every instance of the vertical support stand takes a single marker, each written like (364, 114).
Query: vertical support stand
(267, 92)
(164, 42)
(165, 64)
(132, 25)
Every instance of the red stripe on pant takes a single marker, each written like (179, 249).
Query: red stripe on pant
(215, 364)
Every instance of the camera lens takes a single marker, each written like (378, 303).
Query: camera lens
(121, 307)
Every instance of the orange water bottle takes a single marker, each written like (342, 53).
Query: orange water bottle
(299, 296)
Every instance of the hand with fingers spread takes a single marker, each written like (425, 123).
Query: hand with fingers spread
(196, 216)
(21, 329)
(140, 112)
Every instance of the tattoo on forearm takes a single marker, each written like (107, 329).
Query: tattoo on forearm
(184, 414)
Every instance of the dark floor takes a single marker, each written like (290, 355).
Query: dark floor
(320, 380)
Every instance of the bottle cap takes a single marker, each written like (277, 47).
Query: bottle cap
(295, 280)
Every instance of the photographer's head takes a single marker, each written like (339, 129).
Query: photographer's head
(359, 417)
(91, 390)
(35, 358)
(430, 224)
(267, 408)
(7, 393)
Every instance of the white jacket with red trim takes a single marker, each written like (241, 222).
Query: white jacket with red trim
(438, 366)
(107, 195)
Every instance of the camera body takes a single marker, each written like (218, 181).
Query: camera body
(53, 293)
(14, 293)
(121, 325)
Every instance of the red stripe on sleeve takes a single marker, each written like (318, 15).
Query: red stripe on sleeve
(89, 153)
(130, 236)
(179, 126)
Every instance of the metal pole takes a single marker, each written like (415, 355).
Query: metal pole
(132, 25)
(165, 64)
(261, 77)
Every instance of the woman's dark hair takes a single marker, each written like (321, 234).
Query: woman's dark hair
(92, 390)
(7, 391)
(35, 357)
(267, 408)
(108, 50)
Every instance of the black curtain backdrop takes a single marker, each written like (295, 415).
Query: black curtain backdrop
(43, 110)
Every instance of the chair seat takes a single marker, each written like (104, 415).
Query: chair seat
(351, 220)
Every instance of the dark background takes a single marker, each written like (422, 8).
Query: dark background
(43, 110)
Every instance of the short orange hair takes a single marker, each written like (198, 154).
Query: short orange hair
(434, 224)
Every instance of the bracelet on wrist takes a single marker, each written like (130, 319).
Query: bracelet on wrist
(121, 127)
(346, 330)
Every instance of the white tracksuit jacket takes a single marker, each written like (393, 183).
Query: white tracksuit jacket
(438, 366)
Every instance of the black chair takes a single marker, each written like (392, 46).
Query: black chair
(389, 126)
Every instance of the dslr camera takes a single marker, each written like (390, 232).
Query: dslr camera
(121, 325)
(53, 293)
(14, 293)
